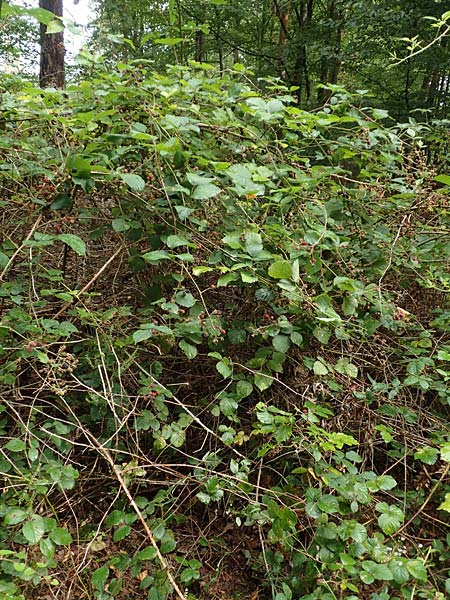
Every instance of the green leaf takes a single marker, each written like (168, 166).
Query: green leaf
(243, 389)
(205, 191)
(78, 166)
(280, 269)
(349, 305)
(141, 335)
(446, 504)
(390, 519)
(175, 241)
(224, 369)
(63, 201)
(228, 405)
(120, 225)
(134, 182)
(445, 179)
(14, 516)
(262, 381)
(399, 571)
(366, 577)
(190, 350)
(156, 255)
(328, 504)
(55, 26)
(296, 338)
(148, 553)
(34, 529)
(99, 577)
(427, 455)
(74, 242)
(319, 368)
(281, 343)
(60, 536)
(232, 240)
(381, 572)
(417, 569)
(47, 547)
(253, 244)
(168, 41)
(226, 279)
(15, 445)
(445, 452)
(322, 334)
(121, 533)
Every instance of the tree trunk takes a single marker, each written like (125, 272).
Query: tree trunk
(51, 73)
(301, 75)
(282, 13)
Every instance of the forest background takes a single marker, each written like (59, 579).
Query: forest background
(224, 300)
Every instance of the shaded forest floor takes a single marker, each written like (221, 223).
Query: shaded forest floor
(224, 346)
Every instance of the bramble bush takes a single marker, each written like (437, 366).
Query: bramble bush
(224, 333)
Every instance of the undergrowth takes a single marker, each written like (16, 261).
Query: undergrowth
(224, 344)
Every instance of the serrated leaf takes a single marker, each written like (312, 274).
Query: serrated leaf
(281, 343)
(349, 305)
(15, 516)
(280, 269)
(15, 445)
(141, 335)
(445, 452)
(263, 382)
(381, 572)
(133, 181)
(175, 241)
(390, 519)
(253, 243)
(190, 350)
(232, 240)
(226, 279)
(148, 553)
(224, 369)
(322, 334)
(417, 569)
(296, 338)
(120, 225)
(76, 243)
(427, 455)
(60, 536)
(366, 577)
(47, 547)
(328, 504)
(228, 406)
(399, 571)
(205, 191)
(78, 166)
(34, 529)
(99, 577)
(156, 255)
(63, 201)
(121, 533)
(319, 368)
(243, 389)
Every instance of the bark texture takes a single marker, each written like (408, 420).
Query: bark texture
(51, 72)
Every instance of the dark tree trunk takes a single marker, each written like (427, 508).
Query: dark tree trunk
(51, 73)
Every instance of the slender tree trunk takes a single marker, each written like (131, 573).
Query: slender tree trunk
(51, 73)
(199, 45)
(301, 75)
(282, 11)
